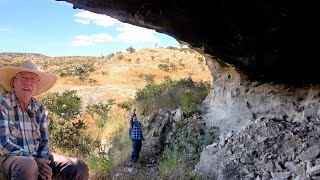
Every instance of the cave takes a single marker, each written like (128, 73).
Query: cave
(272, 41)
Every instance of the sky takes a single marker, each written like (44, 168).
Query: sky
(54, 28)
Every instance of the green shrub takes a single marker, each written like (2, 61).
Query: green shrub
(66, 105)
(99, 167)
(126, 105)
(164, 67)
(120, 57)
(190, 140)
(189, 105)
(149, 78)
(130, 49)
(80, 70)
(170, 94)
(101, 109)
(181, 155)
(70, 137)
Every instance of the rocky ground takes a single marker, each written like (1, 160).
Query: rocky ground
(266, 148)
(139, 170)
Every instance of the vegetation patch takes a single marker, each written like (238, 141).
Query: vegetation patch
(172, 94)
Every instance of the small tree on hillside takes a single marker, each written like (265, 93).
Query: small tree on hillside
(130, 49)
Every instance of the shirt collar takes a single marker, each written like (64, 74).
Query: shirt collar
(15, 101)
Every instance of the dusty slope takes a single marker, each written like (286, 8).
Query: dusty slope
(120, 79)
(121, 75)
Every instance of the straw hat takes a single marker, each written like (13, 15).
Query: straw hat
(47, 80)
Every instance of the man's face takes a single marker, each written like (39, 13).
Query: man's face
(25, 84)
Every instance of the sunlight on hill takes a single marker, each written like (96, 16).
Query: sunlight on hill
(118, 79)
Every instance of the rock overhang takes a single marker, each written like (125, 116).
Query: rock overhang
(268, 40)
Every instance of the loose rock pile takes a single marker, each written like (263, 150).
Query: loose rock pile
(265, 149)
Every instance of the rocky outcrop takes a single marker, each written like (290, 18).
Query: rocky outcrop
(235, 99)
(269, 130)
(271, 40)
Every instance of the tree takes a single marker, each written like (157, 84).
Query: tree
(130, 49)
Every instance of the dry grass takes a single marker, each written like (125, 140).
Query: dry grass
(120, 79)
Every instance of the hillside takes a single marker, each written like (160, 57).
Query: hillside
(118, 76)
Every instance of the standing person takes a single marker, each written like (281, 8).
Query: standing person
(136, 136)
(25, 152)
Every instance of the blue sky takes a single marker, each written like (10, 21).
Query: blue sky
(54, 28)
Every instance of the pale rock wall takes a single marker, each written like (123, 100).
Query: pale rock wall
(234, 100)
(267, 130)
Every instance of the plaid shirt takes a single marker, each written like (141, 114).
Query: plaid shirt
(136, 129)
(23, 132)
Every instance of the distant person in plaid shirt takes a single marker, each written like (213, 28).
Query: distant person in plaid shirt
(136, 136)
(25, 152)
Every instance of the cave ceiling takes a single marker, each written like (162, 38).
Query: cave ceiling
(267, 39)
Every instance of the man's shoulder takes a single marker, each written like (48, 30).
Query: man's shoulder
(37, 103)
(137, 123)
(6, 99)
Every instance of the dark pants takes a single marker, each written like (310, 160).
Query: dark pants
(136, 148)
(26, 168)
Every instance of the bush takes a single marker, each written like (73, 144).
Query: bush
(101, 109)
(189, 105)
(130, 49)
(149, 78)
(70, 137)
(170, 94)
(99, 167)
(120, 57)
(67, 105)
(80, 70)
(164, 67)
(126, 105)
(181, 155)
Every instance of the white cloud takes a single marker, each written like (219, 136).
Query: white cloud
(84, 40)
(127, 33)
(101, 20)
(103, 37)
(132, 34)
(82, 21)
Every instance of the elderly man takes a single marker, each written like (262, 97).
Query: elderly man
(25, 144)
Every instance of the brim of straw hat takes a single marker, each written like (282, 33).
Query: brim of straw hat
(47, 80)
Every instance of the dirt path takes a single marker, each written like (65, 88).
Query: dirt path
(137, 171)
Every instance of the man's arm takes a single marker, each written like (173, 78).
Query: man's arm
(131, 117)
(44, 146)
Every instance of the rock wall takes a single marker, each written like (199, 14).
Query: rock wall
(268, 130)
(234, 100)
